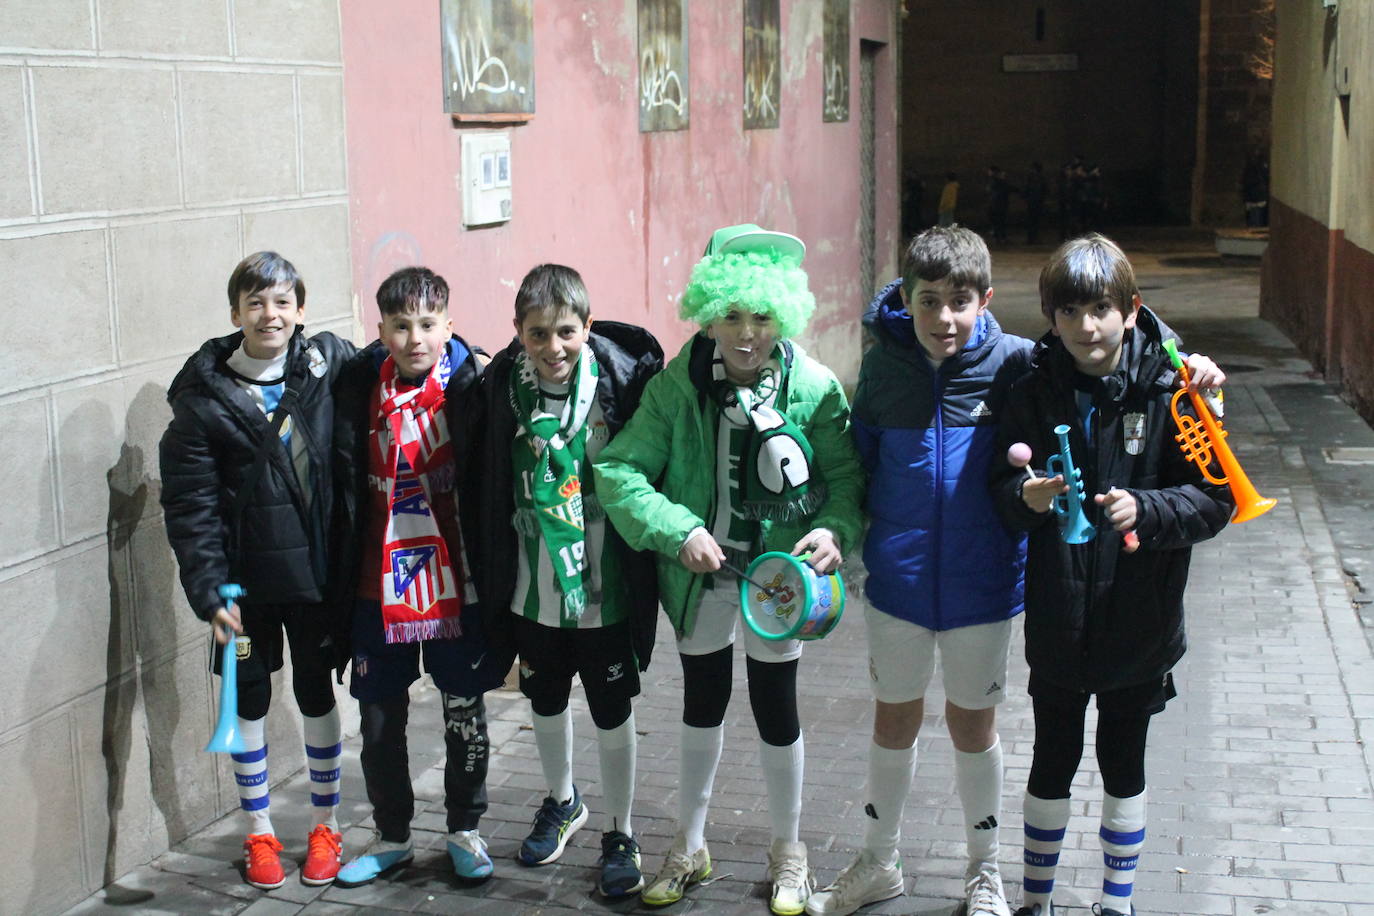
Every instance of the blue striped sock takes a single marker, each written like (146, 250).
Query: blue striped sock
(323, 749)
(1045, 822)
(250, 774)
(1122, 835)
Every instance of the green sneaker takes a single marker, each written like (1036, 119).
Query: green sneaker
(679, 871)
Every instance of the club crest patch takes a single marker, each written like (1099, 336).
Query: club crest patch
(1133, 433)
(243, 648)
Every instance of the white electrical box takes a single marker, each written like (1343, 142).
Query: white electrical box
(486, 178)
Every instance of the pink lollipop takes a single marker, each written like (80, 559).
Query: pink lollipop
(1019, 455)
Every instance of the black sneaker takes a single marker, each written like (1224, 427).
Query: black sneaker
(620, 874)
(554, 825)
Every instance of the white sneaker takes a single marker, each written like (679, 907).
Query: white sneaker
(863, 882)
(680, 870)
(984, 896)
(792, 882)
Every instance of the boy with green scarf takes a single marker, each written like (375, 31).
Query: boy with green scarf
(581, 603)
(740, 446)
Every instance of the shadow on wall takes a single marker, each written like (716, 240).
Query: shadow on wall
(142, 645)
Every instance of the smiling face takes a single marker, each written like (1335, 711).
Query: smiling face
(746, 342)
(553, 338)
(1094, 332)
(944, 315)
(415, 338)
(268, 318)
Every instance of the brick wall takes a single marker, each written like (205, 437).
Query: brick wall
(145, 146)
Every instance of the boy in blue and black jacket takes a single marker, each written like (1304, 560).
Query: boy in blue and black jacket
(246, 490)
(944, 574)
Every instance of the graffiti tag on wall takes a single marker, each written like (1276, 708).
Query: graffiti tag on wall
(488, 51)
(662, 65)
(835, 102)
(762, 63)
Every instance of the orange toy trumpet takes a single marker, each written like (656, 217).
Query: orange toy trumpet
(1200, 441)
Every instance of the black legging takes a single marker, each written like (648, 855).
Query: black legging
(1059, 748)
(772, 694)
(554, 700)
(314, 694)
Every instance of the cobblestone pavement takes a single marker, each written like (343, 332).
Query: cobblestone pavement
(1259, 777)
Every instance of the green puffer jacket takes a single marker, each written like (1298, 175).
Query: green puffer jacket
(671, 440)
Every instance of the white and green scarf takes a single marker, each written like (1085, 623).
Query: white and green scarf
(777, 477)
(550, 457)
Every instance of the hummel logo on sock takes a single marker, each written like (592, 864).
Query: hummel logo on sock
(993, 689)
(871, 811)
(988, 824)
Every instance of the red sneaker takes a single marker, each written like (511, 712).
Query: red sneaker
(323, 855)
(261, 853)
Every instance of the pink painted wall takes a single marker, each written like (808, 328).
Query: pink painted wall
(630, 211)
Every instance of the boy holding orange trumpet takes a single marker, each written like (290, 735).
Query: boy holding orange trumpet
(1099, 619)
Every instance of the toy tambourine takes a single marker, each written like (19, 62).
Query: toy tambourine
(784, 598)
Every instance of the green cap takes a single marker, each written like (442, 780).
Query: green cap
(748, 237)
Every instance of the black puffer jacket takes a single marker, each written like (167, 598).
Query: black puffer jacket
(206, 455)
(629, 356)
(1097, 618)
(352, 425)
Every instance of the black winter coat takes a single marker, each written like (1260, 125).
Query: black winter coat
(277, 549)
(352, 426)
(1096, 618)
(629, 356)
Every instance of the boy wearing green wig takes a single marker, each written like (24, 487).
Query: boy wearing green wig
(740, 446)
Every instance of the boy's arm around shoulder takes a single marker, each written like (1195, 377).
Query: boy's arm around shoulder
(190, 504)
(1019, 423)
(629, 465)
(1186, 508)
(832, 443)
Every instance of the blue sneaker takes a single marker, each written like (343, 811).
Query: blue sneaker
(469, 854)
(554, 825)
(380, 857)
(620, 872)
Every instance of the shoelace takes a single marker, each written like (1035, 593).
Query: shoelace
(322, 836)
(548, 815)
(790, 873)
(679, 864)
(617, 850)
(262, 848)
(984, 895)
(851, 876)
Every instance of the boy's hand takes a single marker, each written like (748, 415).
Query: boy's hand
(226, 625)
(1203, 373)
(1038, 493)
(701, 553)
(1119, 507)
(825, 553)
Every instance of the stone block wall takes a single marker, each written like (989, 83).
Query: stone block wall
(145, 147)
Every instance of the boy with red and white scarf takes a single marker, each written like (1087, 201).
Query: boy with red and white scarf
(408, 408)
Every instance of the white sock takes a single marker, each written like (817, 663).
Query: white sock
(782, 772)
(323, 749)
(701, 749)
(617, 749)
(890, 771)
(1122, 835)
(979, 777)
(1046, 819)
(553, 737)
(250, 774)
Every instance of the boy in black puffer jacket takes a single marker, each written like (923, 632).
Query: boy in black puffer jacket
(234, 516)
(1103, 617)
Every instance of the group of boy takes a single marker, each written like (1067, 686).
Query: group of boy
(408, 501)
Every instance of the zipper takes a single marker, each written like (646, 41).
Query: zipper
(1092, 546)
(939, 497)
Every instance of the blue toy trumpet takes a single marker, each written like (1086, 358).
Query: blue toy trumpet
(227, 738)
(1074, 526)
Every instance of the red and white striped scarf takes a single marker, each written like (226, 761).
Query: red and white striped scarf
(421, 595)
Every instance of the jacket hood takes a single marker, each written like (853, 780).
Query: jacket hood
(887, 317)
(202, 368)
(1143, 361)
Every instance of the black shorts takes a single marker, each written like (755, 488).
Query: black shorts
(1148, 698)
(384, 671)
(306, 629)
(603, 657)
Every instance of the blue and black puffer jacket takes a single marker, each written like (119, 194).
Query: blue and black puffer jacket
(937, 553)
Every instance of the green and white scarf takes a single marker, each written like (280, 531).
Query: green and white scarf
(778, 480)
(550, 457)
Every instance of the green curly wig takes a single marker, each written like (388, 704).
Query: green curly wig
(756, 281)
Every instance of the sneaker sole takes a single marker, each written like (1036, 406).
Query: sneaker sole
(616, 895)
(265, 887)
(318, 882)
(696, 879)
(552, 857)
(869, 902)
